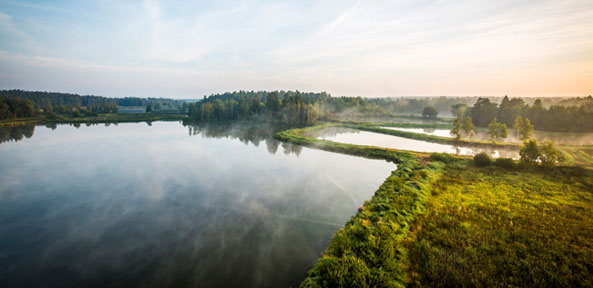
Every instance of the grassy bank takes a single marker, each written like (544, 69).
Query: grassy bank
(298, 136)
(101, 118)
(369, 251)
(436, 224)
(490, 227)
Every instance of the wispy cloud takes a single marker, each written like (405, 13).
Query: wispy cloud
(368, 48)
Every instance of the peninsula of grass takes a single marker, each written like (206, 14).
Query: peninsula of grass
(369, 251)
(432, 138)
(100, 118)
(440, 221)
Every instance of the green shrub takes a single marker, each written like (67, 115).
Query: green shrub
(443, 157)
(529, 152)
(347, 271)
(507, 163)
(482, 159)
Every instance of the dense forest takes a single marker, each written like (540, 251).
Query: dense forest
(289, 107)
(23, 104)
(556, 118)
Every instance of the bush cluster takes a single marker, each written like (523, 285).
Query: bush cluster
(482, 159)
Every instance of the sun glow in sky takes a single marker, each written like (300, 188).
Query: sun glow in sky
(186, 49)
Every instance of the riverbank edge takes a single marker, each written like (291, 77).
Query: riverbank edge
(102, 118)
(370, 248)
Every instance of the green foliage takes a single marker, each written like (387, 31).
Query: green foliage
(497, 130)
(148, 108)
(483, 112)
(529, 152)
(503, 132)
(430, 112)
(575, 117)
(459, 110)
(15, 108)
(442, 157)
(507, 163)
(468, 127)
(456, 131)
(372, 240)
(493, 227)
(482, 159)
(526, 129)
(294, 108)
(546, 153)
(518, 126)
(347, 271)
(549, 154)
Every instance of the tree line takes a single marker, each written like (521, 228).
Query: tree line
(557, 118)
(288, 107)
(15, 108)
(67, 103)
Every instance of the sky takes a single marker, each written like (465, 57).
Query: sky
(187, 49)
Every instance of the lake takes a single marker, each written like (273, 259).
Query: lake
(358, 137)
(167, 205)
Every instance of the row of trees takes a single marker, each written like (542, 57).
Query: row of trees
(496, 130)
(290, 107)
(67, 103)
(11, 108)
(555, 118)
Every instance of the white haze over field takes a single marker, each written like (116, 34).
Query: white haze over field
(185, 49)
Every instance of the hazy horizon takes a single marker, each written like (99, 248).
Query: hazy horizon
(185, 50)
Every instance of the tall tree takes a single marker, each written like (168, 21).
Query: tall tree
(456, 131)
(468, 127)
(518, 125)
(526, 129)
(549, 154)
(493, 130)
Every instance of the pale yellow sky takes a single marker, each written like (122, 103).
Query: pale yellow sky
(367, 48)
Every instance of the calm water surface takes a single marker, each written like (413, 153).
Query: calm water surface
(170, 206)
(353, 136)
(561, 138)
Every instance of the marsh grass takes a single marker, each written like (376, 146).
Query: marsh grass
(490, 227)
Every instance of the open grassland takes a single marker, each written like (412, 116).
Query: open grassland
(490, 227)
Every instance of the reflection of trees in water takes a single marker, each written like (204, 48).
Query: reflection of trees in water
(247, 133)
(16, 133)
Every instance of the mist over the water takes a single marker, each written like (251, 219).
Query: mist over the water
(171, 206)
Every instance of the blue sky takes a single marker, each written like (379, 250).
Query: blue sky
(186, 49)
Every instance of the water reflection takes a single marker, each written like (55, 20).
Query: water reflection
(134, 205)
(354, 136)
(17, 133)
(253, 133)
